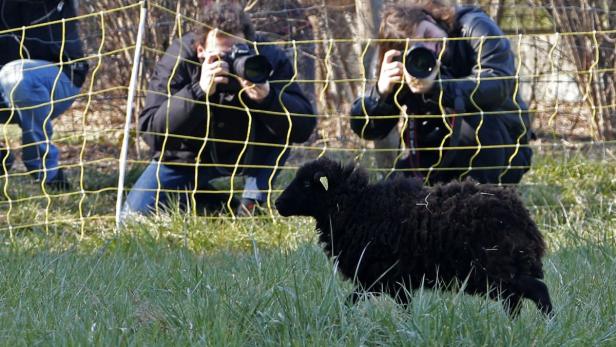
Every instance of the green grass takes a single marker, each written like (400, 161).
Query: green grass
(179, 280)
(142, 290)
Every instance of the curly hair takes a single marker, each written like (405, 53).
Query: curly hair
(227, 17)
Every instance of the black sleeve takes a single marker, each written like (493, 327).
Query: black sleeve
(493, 59)
(6, 113)
(374, 106)
(289, 95)
(174, 114)
(73, 47)
(48, 41)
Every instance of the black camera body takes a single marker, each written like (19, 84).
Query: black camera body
(419, 61)
(246, 64)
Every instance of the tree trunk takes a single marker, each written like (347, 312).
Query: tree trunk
(367, 27)
(368, 14)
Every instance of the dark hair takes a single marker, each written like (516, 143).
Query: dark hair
(399, 21)
(228, 17)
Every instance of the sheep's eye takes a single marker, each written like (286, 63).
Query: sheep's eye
(307, 184)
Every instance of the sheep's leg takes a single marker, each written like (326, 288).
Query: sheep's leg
(403, 300)
(534, 289)
(358, 295)
(399, 294)
(510, 298)
(512, 304)
(353, 298)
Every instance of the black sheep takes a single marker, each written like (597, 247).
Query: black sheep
(397, 235)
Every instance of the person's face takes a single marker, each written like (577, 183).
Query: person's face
(219, 43)
(428, 29)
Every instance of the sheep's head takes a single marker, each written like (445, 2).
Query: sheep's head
(314, 189)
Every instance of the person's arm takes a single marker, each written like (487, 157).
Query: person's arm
(367, 115)
(493, 59)
(375, 115)
(5, 111)
(174, 114)
(295, 102)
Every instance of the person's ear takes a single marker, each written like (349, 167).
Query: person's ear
(200, 51)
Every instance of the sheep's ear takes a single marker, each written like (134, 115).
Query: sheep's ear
(322, 179)
(324, 182)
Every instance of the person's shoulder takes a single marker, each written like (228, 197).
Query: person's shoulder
(473, 21)
(466, 14)
(185, 45)
(188, 40)
(271, 50)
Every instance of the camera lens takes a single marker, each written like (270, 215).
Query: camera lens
(257, 69)
(249, 66)
(420, 61)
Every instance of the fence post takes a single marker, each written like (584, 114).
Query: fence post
(129, 111)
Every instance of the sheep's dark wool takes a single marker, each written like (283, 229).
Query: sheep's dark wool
(396, 235)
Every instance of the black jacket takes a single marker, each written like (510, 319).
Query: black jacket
(44, 42)
(460, 63)
(41, 43)
(185, 113)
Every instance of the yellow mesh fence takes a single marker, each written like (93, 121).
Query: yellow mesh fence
(92, 146)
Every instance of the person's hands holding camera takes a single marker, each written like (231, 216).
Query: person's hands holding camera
(213, 71)
(391, 72)
(255, 91)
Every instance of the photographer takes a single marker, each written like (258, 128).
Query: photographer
(176, 127)
(477, 82)
(26, 84)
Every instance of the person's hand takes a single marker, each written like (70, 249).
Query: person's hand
(213, 71)
(256, 92)
(423, 85)
(391, 73)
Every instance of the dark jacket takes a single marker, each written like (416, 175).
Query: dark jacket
(43, 42)
(186, 114)
(462, 95)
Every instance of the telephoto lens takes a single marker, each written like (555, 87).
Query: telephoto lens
(420, 61)
(246, 64)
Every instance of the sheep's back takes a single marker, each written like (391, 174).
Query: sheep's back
(487, 228)
(399, 230)
(369, 236)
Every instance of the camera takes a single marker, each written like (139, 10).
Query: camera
(246, 64)
(419, 61)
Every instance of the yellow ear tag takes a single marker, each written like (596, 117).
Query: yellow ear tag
(324, 182)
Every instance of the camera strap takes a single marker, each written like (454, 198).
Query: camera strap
(413, 154)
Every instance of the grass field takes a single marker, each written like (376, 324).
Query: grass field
(181, 280)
